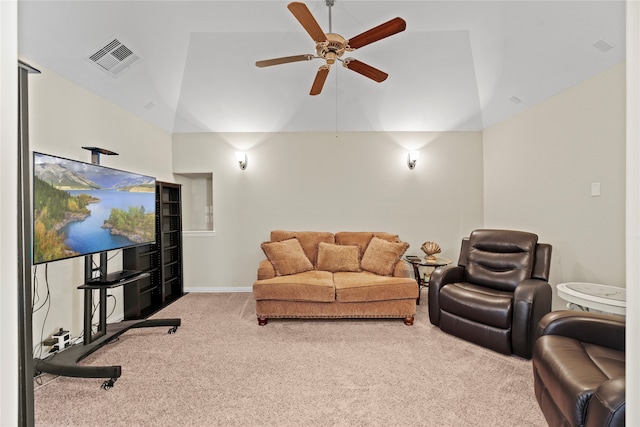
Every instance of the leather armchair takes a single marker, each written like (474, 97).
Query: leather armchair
(579, 369)
(497, 293)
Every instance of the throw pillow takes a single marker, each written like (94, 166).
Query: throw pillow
(287, 257)
(382, 256)
(336, 258)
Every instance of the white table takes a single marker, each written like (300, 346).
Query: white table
(606, 298)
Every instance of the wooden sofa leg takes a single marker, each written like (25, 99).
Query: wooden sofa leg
(262, 321)
(408, 321)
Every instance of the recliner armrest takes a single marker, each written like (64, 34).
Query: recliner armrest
(607, 405)
(440, 277)
(596, 328)
(531, 301)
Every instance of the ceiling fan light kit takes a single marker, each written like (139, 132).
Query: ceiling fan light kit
(331, 46)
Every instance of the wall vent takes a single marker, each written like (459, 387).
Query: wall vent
(112, 56)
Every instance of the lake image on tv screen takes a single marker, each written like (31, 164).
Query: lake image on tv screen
(81, 208)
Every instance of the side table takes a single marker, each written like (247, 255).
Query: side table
(606, 298)
(431, 264)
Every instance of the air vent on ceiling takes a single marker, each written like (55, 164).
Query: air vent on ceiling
(112, 56)
(603, 45)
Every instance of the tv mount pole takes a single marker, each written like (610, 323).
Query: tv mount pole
(89, 336)
(96, 151)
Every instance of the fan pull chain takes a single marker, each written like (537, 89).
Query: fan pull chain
(336, 109)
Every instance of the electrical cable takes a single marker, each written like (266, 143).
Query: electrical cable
(114, 255)
(35, 300)
(95, 307)
(36, 291)
(38, 348)
(115, 303)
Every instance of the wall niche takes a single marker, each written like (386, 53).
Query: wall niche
(197, 202)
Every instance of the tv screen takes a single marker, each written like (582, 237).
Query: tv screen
(82, 208)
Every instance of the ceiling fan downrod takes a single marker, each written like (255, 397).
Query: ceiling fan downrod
(329, 4)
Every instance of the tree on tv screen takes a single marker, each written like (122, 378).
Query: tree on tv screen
(53, 209)
(134, 224)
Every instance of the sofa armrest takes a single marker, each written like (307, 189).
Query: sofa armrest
(607, 405)
(440, 277)
(266, 270)
(531, 301)
(402, 269)
(606, 330)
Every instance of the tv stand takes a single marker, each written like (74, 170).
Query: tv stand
(65, 362)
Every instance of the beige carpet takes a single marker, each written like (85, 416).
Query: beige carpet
(221, 369)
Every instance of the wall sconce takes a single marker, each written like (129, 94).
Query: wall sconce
(412, 159)
(241, 156)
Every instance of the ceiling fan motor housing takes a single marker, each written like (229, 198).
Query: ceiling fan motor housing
(333, 48)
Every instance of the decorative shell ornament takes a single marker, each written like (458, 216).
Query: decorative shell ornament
(431, 249)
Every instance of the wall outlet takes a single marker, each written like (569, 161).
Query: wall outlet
(63, 339)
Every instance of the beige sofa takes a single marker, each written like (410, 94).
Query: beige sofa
(309, 274)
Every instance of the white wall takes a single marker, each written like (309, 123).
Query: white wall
(8, 213)
(633, 212)
(327, 182)
(538, 171)
(539, 167)
(63, 118)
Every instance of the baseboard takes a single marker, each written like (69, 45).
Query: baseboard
(220, 289)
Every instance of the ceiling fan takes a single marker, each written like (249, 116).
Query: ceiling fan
(331, 47)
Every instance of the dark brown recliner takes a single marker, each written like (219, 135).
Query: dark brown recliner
(497, 293)
(579, 369)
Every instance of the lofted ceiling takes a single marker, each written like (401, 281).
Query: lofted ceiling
(459, 66)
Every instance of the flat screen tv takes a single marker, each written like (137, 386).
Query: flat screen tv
(82, 208)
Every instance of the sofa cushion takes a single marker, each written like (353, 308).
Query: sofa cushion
(309, 240)
(381, 256)
(365, 286)
(335, 258)
(362, 238)
(308, 286)
(287, 257)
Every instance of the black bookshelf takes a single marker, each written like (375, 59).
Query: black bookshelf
(161, 260)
